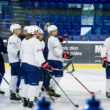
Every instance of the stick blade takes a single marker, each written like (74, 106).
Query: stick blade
(76, 105)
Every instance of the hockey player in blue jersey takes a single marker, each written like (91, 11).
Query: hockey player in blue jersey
(3, 49)
(105, 55)
(13, 48)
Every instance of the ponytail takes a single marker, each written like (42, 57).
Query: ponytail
(47, 38)
(29, 37)
(9, 36)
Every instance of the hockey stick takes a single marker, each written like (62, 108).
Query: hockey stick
(68, 51)
(91, 92)
(75, 105)
(48, 94)
(4, 79)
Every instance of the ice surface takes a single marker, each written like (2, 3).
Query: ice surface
(93, 79)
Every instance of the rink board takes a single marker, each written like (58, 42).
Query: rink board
(84, 52)
(78, 66)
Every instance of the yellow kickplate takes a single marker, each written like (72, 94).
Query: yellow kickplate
(76, 66)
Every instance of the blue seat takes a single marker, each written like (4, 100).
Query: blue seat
(78, 31)
(36, 4)
(70, 19)
(102, 18)
(96, 1)
(75, 25)
(8, 25)
(71, 32)
(59, 25)
(28, 17)
(100, 24)
(62, 32)
(38, 18)
(66, 4)
(77, 18)
(44, 4)
(96, 31)
(96, 19)
(67, 25)
(106, 6)
(27, 3)
(3, 26)
(102, 1)
(46, 18)
(87, 1)
(105, 31)
(54, 18)
(102, 38)
(69, 38)
(51, 4)
(5, 16)
(108, 17)
(62, 18)
(33, 23)
(98, 6)
(85, 38)
(42, 24)
(94, 38)
(59, 5)
(77, 38)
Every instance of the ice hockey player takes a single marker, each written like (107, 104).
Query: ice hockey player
(32, 58)
(20, 81)
(55, 56)
(13, 48)
(3, 49)
(24, 32)
(105, 55)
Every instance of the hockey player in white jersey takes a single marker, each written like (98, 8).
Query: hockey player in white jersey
(55, 55)
(105, 55)
(13, 48)
(32, 58)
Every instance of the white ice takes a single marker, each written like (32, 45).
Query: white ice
(94, 80)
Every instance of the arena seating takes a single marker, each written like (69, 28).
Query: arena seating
(69, 24)
(62, 3)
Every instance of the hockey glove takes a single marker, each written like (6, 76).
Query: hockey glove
(64, 37)
(104, 60)
(47, 67)
(67, 56)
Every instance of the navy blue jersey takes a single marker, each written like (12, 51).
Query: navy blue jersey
(22, 37)
(3, 48)
(46, 47)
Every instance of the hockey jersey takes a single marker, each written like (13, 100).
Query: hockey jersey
(13, 48)
(55, 49)
(105, 52)
(31, 52)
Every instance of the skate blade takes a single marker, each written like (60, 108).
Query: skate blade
(56, 99)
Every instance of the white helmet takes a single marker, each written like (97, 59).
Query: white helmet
(14, 27)
(25, 28)
(32, 29)
(41, 31)
(52, 28)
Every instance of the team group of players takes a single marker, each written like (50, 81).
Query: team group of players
(33, 57)
(29, 66)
